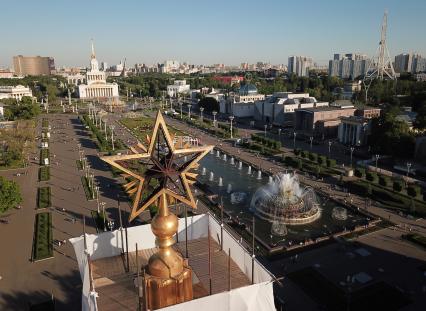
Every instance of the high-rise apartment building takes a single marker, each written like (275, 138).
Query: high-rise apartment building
(33, 65)
(300, 65)
(348, 66)
(409, 62)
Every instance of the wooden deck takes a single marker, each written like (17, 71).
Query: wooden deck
(117, 290)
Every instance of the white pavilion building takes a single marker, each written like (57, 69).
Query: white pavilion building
(96, 86)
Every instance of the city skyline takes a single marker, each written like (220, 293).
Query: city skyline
(154, 32)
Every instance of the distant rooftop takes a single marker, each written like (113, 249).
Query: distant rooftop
(248, 89)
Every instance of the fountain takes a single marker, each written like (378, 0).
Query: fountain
(259, 174)
(218, 154)
(212, 151)
(238, 197)
(249, 170)
(279, 228)
(232, 161)
(339, 213)
(224, 157)
(270, 180)
(211, 176)
(283, 201)
(203, 171)
(240, 165)
(229, 188)
(185, 158)
(220, 182)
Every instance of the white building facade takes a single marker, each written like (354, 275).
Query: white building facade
(15, 92)
(178, 87)
(300, 65)
(96, 85)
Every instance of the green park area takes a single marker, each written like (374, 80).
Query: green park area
(44, 197)
(141, 127)
(10, 194)
(98, 135)
(43, 237)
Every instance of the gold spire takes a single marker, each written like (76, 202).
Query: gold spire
(164, 177)
(93, 56)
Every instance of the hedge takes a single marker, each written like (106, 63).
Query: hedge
(359, 172)
(313, 156)
(331, 163)
(384, 181)
(322, 160)
(413, 190)
(397, 185)
(371, 176)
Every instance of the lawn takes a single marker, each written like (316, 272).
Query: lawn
(44, 153)
(43, 197)
(143, 126)
(79, 165)
(416, 238)
(43, 237)
(44, 173)
(87, 189)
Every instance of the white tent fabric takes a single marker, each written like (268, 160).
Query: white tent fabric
(256, 297)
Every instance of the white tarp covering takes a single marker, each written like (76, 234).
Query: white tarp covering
(256, 297)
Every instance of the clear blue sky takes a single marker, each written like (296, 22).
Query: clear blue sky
(206, 32)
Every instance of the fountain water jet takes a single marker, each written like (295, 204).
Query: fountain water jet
(229, 188)
(224, 157)
(270, 180)
(285, 202)
(249, 170)
(259, 174)
(232, 161)
(203, 171)
(211, 176)
(220, 182)
(218, 154)
(240, 165)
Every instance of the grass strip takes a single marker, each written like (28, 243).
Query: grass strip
(43, 237)
(43, 197)
(44, 173)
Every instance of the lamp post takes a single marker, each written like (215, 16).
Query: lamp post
(408, 169)
(265, 127)
(181, 112)
(352, 151)
(231, 118)
(106, 131)
(329, 148)
(294, 140)
(279, 134)
(103, 214)
(377, 160)
(311, 139)
(214, 118)
(201, 113)
(189, 111)
(112, 136)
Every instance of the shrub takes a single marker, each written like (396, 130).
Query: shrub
(413, 190)
(322, 160)
(359, 172)
(298, 164)
(278, 145)
(331, 163)
(304, 154)
(371, 176)
(296, 151)
(384, 181)
(313, 156)
(397, 185)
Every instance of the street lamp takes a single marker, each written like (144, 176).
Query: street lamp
(352, 151)
(311, 139)
(329, 148)
(214, 118)
(377, 160)
(112, 136)
(201, 113)
(279, 134)
(231, 118)
(189, 111)
(294, 140)
(408, 169)
(181, 113)
(265, 127)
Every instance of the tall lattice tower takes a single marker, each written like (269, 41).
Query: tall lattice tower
(380, 65)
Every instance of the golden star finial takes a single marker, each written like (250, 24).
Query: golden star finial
(159, 169)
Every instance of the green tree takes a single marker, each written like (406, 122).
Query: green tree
(209, 104)
(10, 195)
